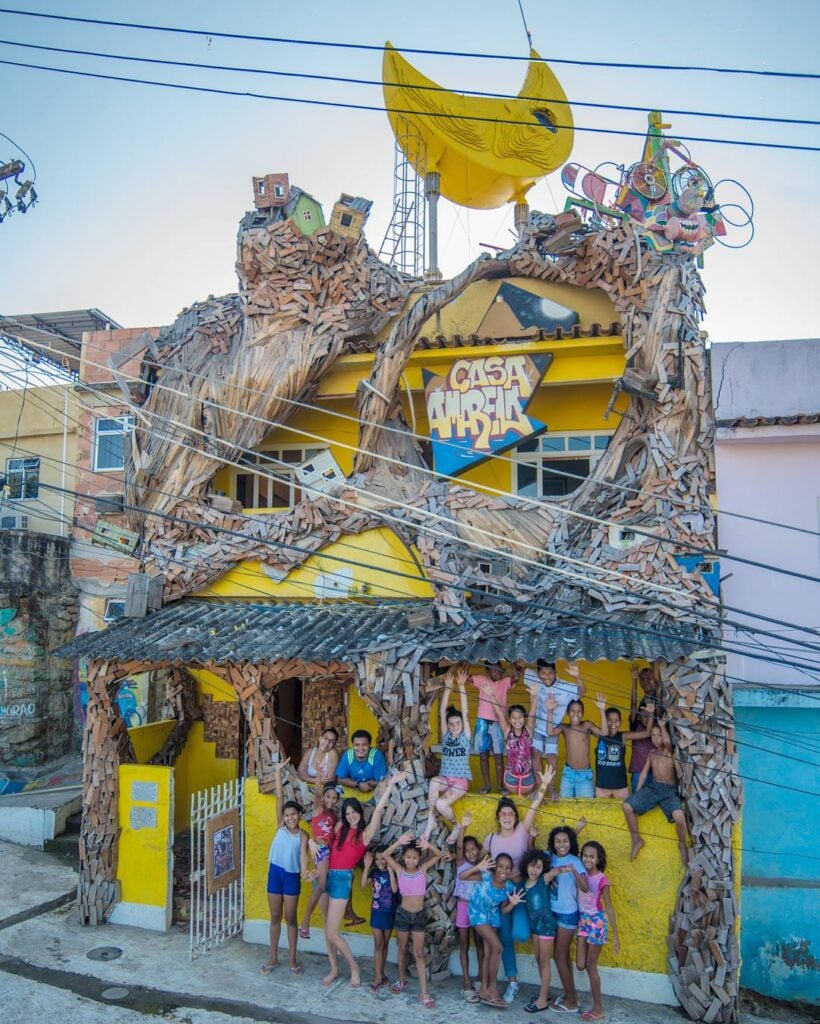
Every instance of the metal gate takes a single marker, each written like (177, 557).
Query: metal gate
(217, 865)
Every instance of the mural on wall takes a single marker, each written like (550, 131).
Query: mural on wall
(131, 699)
(479, 408)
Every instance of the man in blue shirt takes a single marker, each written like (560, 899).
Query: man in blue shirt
(362, 766)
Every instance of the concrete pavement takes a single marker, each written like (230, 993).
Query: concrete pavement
(44, 967)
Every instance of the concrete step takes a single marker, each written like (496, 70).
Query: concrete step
(34, 817)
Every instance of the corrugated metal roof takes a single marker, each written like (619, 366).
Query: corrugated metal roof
(596, 330)
(199, 631)
(57, 335)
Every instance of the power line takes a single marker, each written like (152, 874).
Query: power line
(372, 47)
(188, 430)
(339, 105)
(491, 456)
(345, 80)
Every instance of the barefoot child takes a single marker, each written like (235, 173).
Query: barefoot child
(610, 753)
(576, 777)
(518, 725)
(562, 846)
(453, 780)
(468, 853)
(596, 917)
(537, 878)
(411, 917)
(347, 849)
(381, 876)
(322, 827)
(288, 863)
(493, 888)
(658, 791)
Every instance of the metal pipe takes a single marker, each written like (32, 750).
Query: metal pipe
(432, 186)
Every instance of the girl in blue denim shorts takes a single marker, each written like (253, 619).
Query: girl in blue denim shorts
(562, 848)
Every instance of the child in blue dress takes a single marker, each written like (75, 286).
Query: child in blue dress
(492, 889)
(381, 876)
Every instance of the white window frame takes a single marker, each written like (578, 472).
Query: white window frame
(110, 604)
(544, 454)
(22, 470)
(286, 473)
(126, 426)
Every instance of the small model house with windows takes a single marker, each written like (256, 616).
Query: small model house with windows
(350, 215)
(275, 199)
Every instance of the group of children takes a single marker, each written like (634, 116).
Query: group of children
(554, 892)
(506, 889)
(520, 737)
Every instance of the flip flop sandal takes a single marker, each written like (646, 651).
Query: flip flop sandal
(428, 1002)
(398, 987)
(297, 970)
(351, 922)
(589, 1015)
(559, 1007)
(304, 933)
(470, 995)
(267, 968)
(497, 1004)
(531, 1007)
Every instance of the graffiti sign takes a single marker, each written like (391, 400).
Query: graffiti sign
(479, 408)
(18, 709)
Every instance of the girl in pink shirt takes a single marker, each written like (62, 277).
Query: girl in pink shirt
(595, 920)
(487, 736)
(411, 918)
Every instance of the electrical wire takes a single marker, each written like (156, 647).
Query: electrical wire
(339, 105)
(188, 429)
(372, 47)
(345, 80)
(491, 456)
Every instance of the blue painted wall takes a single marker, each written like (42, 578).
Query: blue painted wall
(780, 897)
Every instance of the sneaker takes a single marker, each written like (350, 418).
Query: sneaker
(511, 993)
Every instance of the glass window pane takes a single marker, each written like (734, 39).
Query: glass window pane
(109, 426)
(109, 451)
(528, 446)
(559, 476)
(526, 480)
(602, 442)
(293, 455)
(580, 444)
(553, 443)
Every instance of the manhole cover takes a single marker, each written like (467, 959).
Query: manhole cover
(114, 993)
(104, 953)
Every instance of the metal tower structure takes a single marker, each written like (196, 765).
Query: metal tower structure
(403, 246)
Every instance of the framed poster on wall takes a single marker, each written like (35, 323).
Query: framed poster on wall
(223, 854)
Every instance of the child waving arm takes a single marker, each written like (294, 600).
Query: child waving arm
(538, 796)
(378, 810)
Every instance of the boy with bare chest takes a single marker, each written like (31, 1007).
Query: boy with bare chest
(576, 778)
(658, 789)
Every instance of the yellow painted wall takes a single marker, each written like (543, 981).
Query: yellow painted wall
(43, 413)
(147, 739)
(197, 766)
(378, 555)
(144, 858)
(643, 892)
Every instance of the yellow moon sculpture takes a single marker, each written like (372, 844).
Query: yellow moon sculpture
(488, 151)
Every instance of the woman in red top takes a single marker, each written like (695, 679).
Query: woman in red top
(346, 850)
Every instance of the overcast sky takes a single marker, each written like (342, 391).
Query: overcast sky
(141, 188)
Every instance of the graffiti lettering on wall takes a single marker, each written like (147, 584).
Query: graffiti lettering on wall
(480, 407)
(19, 709)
